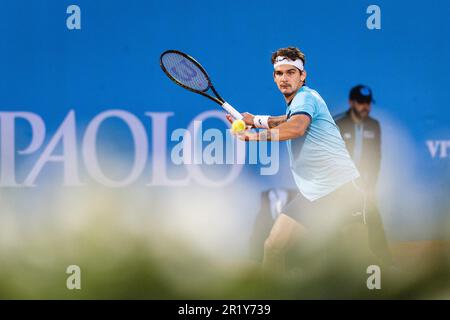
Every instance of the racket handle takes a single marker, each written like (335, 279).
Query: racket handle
(237, 115)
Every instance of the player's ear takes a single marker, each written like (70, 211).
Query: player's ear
(303, 76)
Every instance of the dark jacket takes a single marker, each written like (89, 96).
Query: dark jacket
(369, 164)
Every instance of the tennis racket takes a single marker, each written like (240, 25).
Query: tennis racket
(189, 74)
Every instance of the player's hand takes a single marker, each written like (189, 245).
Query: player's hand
(247, 118)
(245, 135)
(248, 135)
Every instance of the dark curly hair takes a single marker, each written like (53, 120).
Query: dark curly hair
(292, 53)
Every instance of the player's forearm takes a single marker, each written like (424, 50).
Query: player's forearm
(294, 128)
(275, 121)
(285, 131)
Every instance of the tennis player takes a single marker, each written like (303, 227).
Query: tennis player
(321, 166)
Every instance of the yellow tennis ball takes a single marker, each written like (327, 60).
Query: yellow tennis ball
(238, 126)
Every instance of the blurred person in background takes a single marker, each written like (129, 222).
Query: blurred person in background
(362, 136)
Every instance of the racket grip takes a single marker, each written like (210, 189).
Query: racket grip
(237, 115)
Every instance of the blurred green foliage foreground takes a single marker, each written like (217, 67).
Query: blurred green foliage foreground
(124, 251)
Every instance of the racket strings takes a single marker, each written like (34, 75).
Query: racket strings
(185, 71)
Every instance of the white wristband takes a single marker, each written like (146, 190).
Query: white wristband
(261, 121)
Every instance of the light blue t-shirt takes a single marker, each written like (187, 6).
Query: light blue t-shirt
(319, 160)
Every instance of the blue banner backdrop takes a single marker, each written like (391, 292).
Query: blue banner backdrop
(64, 63)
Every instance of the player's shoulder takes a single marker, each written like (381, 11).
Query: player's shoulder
(306, 94)
(307, 91)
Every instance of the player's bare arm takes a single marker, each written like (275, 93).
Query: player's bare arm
(248, 118)
(276, 121)
(294, 128)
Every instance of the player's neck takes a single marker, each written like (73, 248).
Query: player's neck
(288, 98)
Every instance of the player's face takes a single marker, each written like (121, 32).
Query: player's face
(288, 79)
(361, 110)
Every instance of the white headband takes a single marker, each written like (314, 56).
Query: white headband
(280, 60)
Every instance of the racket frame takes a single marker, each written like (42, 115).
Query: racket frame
(218, 99)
